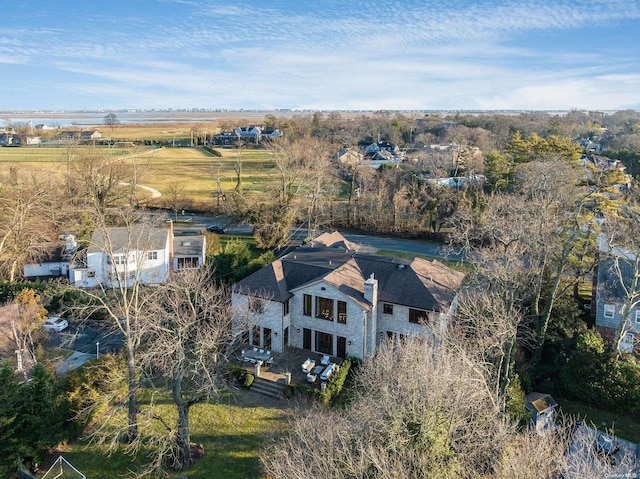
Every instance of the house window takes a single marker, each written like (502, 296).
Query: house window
(609, 311)
(118, 259)
(285, 308)
(418, 316)
(324, 308)
(188, 263)
(342, 312)
(255, 336)
(306, 305)
(256, 305)
(387, 308)
(324, 343)
(637, 316)
(152, 255)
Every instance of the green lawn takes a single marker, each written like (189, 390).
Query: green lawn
(623, 426)
(232, 434)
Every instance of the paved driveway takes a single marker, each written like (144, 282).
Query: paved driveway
(84, 336)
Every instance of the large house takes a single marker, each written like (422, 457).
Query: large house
(618, 300)
(329, 298)
(139, 254)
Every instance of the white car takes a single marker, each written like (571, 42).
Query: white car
(55, 323)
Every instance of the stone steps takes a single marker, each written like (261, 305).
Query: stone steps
(268, 388)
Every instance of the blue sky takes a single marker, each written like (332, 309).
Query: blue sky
(325, 55)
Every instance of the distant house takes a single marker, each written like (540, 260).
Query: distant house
(226, 138)
(328, 298)
(251, 133)
(614, 296)
(380, 146)
(542, 408)
(79, 135)
(270, 134)
(347, 156)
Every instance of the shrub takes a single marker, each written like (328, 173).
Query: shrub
(334, 387)
(240, 375)
(212, 151)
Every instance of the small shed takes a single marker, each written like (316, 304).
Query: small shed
(542, 408)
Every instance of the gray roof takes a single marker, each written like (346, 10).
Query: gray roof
(417, 283)
(609, 286)
(121, 240)
(188, 245)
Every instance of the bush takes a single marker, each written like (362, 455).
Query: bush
(89, 387)
(212, 151)
(334, 387)
(595, 376)
(241, 376)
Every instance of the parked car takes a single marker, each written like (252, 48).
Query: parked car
(55, 323)
(216, 229)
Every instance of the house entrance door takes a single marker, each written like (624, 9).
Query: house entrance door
(341, 351)
(266, 333)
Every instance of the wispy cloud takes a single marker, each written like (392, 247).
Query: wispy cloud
(330, 54)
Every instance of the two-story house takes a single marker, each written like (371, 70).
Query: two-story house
(618, 300)
(329, 298)
(142, 254)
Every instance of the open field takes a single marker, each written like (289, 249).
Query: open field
(192, 171)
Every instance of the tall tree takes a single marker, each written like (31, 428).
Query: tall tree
(124, 301)
(185, 350)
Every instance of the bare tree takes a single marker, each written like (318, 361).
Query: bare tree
(111, 120)
(101, 177)
(122, 297)
(27, 221)
(188, 333)
(418, 411)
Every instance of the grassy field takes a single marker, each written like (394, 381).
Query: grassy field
(232, 434)
(194, 172)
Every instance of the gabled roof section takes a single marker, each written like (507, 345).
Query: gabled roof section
(416, 283)
(122, 240)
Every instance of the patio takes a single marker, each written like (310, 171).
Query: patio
(289, 361)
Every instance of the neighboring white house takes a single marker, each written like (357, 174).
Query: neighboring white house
(328, 298)
(55, 260)
(139, 254)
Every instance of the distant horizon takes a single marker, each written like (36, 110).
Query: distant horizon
(395, 55)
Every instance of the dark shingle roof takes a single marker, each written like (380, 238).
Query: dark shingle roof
(417, 283)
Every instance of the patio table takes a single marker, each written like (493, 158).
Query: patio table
(253, 356)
